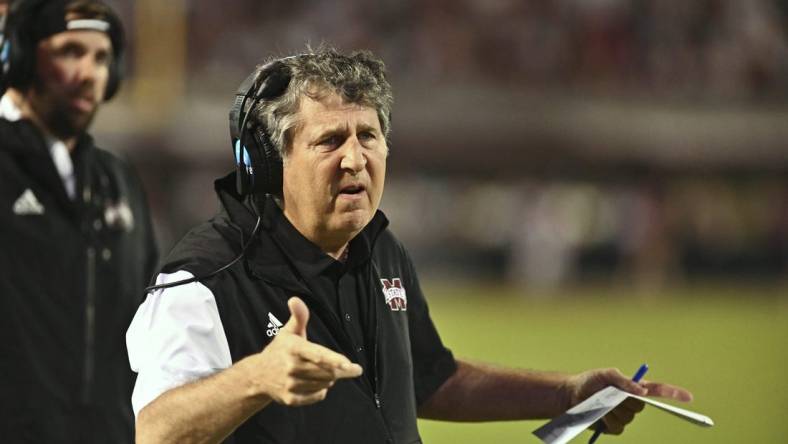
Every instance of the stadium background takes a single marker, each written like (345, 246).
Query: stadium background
(582, 183)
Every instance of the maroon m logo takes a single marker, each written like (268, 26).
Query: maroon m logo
(395, 294)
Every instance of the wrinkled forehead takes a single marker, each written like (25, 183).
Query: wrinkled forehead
(331, 108)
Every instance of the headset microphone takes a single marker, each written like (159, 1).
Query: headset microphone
(258, 163)
(214, 272)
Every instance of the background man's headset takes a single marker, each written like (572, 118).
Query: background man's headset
(3, 52)
(258, 163)
(30, 21)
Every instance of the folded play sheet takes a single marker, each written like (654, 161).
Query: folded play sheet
(580, 417)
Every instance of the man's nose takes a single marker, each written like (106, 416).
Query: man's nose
(87, 69)
(353, 158)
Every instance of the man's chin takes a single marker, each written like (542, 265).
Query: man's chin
(354, 221)
(71, 124)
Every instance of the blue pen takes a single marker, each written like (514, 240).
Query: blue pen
(601, 426)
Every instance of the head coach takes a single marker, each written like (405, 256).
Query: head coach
(76, 244)
(224, 349)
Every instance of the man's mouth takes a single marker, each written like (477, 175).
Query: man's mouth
(82, 98)
(352, 190)
(83, 103)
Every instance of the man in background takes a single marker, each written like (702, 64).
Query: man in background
(76, 245)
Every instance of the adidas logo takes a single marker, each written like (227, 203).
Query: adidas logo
(28, 204)
(273, 325)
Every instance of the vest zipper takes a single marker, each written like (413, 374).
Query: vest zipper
(375, 338)
(374, 273)
(90, 325)
(345, 342)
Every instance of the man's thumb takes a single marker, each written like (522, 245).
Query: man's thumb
(299, 316)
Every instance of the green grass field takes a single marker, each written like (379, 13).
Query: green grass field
(727, 344)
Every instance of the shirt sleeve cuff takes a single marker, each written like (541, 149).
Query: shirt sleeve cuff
(431, 379)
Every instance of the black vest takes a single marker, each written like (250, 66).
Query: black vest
(408, 361)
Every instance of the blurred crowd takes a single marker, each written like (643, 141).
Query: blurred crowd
(693, 92)
(548, 233)
(703, 48)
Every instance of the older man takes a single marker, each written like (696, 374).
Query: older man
(76, 244)
(224, 349)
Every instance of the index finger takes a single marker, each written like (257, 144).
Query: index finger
(328, 359)
(667, 391)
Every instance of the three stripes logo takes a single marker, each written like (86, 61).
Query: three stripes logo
(273, 325)
(394, 294)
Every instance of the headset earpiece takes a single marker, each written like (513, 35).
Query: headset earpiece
(272, 163)
(258, 163)
(117, 65)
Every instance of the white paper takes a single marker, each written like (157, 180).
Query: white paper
(565, 427)
(695, 418)
(581, 416)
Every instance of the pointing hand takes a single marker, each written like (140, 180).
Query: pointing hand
(293, 371)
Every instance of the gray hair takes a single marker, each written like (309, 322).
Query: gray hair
(359, 78)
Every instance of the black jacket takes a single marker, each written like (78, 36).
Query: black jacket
(73, 274)
(408, 362)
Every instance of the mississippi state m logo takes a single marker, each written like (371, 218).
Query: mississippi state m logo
(394, 294)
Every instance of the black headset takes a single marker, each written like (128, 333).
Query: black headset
(3, 53)
(29, 21)
(258, 163)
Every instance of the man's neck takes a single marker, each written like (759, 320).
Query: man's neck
(334, 245)
(26, 111)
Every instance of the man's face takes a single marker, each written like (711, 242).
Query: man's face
(72, 69)
(334, 170)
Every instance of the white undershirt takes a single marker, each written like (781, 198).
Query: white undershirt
(8, 109)
(57, 149)
(176, 337)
